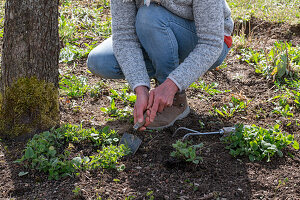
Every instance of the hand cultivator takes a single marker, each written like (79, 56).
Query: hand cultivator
(134, 142)
(221, 132)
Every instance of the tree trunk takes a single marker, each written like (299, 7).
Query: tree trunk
(30, 65)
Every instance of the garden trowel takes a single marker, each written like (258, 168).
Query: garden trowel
(133, 142)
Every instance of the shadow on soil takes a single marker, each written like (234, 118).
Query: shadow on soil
(33, 185)
(152, 169)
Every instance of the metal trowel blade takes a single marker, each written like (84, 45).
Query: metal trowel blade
(132, 141)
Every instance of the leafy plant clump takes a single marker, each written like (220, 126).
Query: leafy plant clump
(50, 151)
(210, 89)
(74, 86)
(258, 143)
(236, 105)
(289, 100)
(282, 60)
(187, 152)
(124, 97)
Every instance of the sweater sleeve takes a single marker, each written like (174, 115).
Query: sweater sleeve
(209, 21)
(126, 46)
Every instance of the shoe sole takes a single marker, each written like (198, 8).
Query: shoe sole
(181, 116)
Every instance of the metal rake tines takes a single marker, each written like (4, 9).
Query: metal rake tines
(195, 133)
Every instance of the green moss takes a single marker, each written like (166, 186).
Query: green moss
(27, 106)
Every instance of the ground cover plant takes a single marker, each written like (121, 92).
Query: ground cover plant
(187, 152)
(257, 84)
(258, 143)
(282, 60)
(50, 151)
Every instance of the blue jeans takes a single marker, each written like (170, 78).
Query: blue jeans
(166, 40)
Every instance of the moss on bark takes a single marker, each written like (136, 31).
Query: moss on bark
(29, 105)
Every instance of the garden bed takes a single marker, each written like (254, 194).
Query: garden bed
(151, 173)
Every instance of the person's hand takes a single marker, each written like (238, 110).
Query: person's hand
(140, 106)
(159, 98)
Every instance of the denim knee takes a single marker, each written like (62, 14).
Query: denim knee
(149, 18)
(103, 65)
(92, 62)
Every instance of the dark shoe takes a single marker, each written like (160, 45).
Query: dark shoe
(169, 115)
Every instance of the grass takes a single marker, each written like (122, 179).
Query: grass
(269, 10)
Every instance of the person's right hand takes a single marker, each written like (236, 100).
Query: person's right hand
(140, 106)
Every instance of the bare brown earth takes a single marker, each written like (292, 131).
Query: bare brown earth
(220, 176)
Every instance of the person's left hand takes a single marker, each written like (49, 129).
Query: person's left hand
(161, 97)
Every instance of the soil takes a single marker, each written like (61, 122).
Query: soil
(219, 176)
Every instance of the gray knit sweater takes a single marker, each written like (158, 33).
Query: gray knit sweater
(212, 20)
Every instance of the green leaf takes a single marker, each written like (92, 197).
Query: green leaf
(280, 154)
(22, 173)
(198, 145)
(218, 111)
(196, 162)
(281, 69)
(86, 159)
(296, 145)
(251, 158)
(29, 153)
(77, 161)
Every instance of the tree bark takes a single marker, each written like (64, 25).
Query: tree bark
(31, 41)
(29, 82)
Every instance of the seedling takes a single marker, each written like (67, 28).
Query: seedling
(236, 105)
(97, 89)
(187, 152)
(113, 111)
(150, 195)
(281, 183)
(76, 191)
(208, 88)
(126, 97)
(283, 108)
(74, 86)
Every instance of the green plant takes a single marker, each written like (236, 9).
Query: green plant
(113, 111)
(296, 98)
(258, 143)
(274, 11)
(150, 195)
(283, 108)
(187, 152)
(48, 152)
(96, 90)
(76, 134)
(76, 191)
(281, 183)
(284, 57)
(74, 86)
(66, 29)
(289, 97)
(236, 105)
(208, 88)
(282, 60)
(41, 154)
(108, 157)
(126, 97)
(130, 197)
